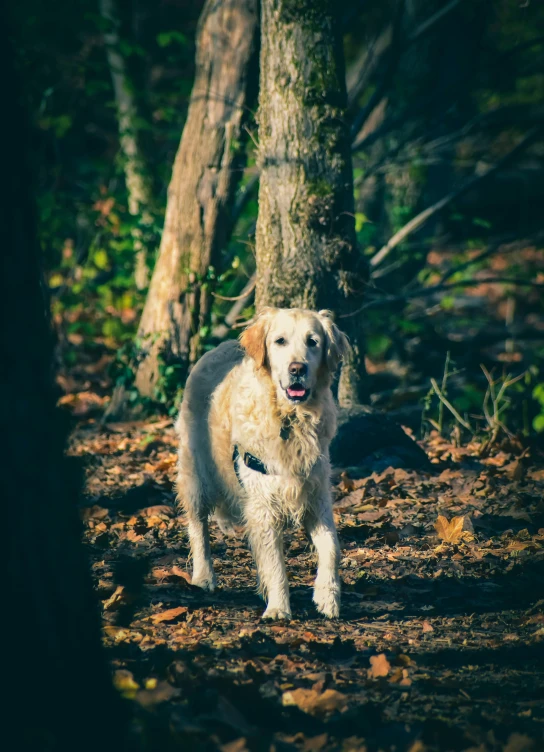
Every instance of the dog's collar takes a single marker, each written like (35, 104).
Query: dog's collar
(254, 463)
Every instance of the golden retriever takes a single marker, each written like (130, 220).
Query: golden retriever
(254, 431)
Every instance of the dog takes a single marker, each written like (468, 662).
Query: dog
(254, 430)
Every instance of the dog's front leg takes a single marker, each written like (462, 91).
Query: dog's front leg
(199, 536)
(319, 524)
(266, 542)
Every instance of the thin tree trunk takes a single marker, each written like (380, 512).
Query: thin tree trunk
(207, 169)
(135, 174)
(306, 248)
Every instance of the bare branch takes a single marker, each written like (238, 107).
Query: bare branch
(420, 219)
(450, 407)
(221, 330)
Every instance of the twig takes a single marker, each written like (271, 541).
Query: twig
(450, 407)
(497, 398)
(245, 292)
(395, 52)
(424, 292)
(430, 22)
(443, 387)
(426, 214)
(398, 47)
(221, 330)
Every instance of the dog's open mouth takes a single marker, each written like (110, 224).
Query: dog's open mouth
(297, 392)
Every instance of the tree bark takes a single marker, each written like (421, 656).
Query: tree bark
(306, 248)
(207, 169)
(60, 694)
(134, 167)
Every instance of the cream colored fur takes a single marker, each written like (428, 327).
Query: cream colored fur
(236, 395)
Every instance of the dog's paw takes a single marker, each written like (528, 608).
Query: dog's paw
(205, 581)
(276, 613)
(327, 600)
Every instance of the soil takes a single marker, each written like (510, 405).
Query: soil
(440, 644)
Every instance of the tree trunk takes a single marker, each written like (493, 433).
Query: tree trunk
(207, 169)
(60, 695)
(135, 175)
(306, 248)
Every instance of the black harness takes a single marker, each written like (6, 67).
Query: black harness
(254, 463)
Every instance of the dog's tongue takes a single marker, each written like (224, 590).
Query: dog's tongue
(296, 391)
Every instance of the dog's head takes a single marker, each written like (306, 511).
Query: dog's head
(299, 349)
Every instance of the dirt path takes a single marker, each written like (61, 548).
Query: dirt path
(440, 645)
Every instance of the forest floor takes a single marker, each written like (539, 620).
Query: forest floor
(440, 644)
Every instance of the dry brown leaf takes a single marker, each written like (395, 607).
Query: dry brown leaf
(346, 484)
(166, 463)
(115, 600)
(94, 513)
(314, 702)
(379, 666)
(427, 627)
(156, 511)
(180, 573)
(134, 537)
(238, 745)
(163, 692)
(315, 743)
(170, 615)
(456, 530)
(519, 743)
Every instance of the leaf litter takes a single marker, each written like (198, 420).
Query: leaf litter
(440, 642)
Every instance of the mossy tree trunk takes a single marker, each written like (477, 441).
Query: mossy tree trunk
(207, 169)
(306, 247)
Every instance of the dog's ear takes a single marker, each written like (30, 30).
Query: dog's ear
(337, 344)
(253, 338)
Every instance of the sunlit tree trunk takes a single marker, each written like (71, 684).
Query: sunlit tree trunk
(207, 169)
(306, 249)
(135, 175)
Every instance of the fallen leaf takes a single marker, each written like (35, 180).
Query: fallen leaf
(163, 692)
(519, 743)
(456, 530)
(315, 743)
(156, 511)
(170, 615)
(123, 681)
(314, 702)
(346, 484)
(94, 513)
(115, 600)
(379, 666)
(427, 627)
(238, 745)
(166, 463)
(180, 573)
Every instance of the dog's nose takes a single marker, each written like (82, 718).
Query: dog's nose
(298, 369)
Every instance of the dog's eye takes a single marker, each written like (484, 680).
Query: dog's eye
(280, 341)
(312, 342)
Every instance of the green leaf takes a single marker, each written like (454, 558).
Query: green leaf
(101, 259)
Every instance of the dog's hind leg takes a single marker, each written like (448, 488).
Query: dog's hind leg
(266, 542)
(197, 508)
(199, 536)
